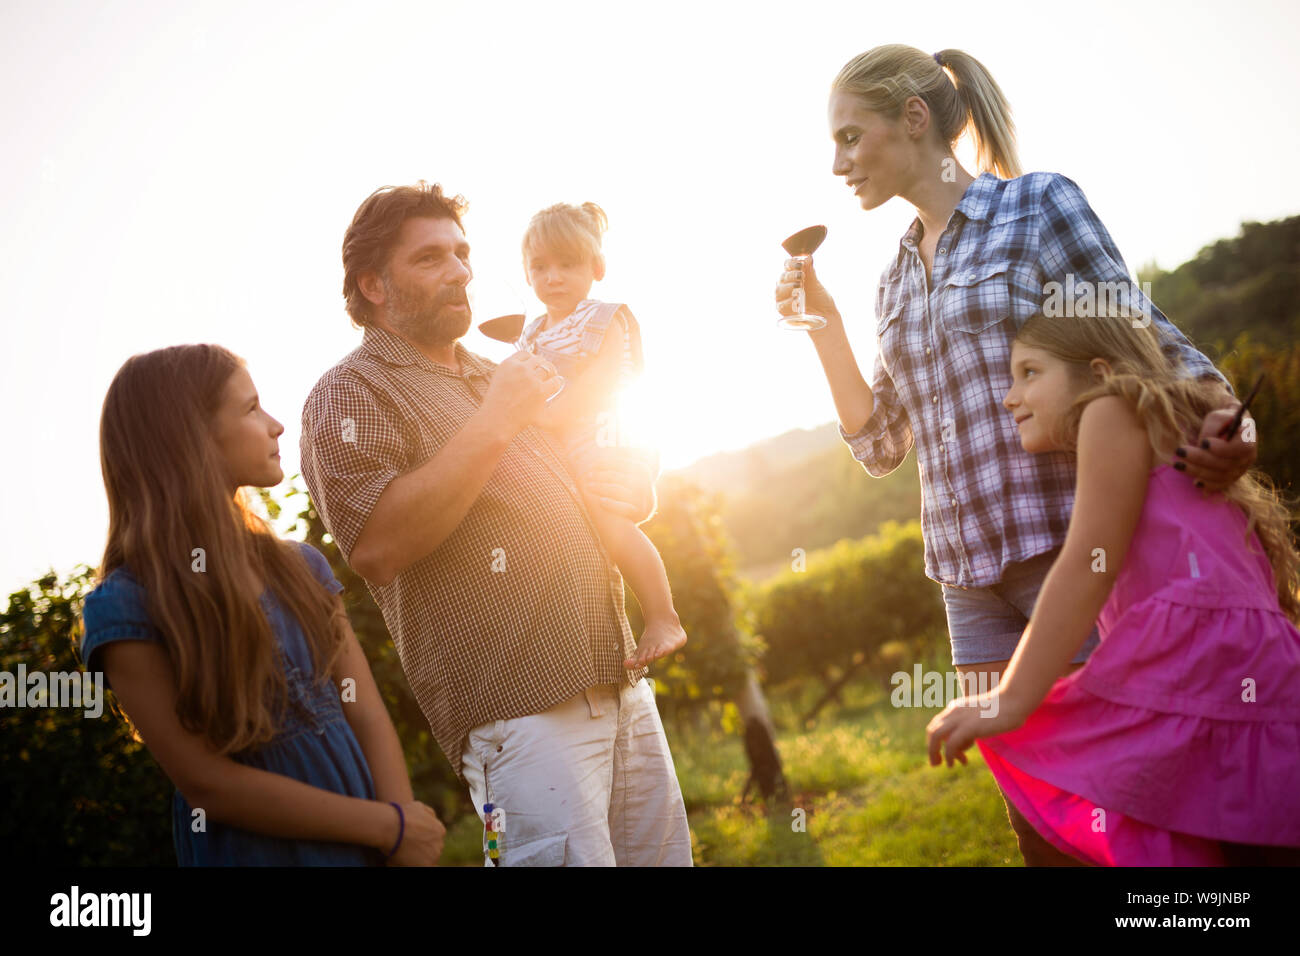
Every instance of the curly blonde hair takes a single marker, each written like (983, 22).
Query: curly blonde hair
(1171, 405)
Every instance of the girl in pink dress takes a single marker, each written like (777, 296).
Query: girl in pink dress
(1178, 743)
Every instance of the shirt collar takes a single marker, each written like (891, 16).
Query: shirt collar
(578, 313)
(979, 201)
(394, 350)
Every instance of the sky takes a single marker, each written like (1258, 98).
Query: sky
(177, 173)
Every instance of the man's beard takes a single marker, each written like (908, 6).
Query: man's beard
(427, 319)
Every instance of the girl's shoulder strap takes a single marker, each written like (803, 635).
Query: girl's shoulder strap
(593, 333)
(533, 329)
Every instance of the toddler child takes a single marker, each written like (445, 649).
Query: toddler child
(596, 347)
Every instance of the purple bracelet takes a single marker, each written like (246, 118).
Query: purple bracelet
(401, 830)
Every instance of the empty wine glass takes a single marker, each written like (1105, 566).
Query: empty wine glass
(510, 329)
(801, 246)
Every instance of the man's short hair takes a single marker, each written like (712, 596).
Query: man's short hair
(369, 240)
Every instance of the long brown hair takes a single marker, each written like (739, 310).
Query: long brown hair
(886, 76)
(167, 496)
(1171, 406)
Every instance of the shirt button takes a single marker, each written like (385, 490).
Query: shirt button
(942, 251)
(927, 350)
(954, 502)
(934, 398)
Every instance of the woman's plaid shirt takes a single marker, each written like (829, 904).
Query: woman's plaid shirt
(520, 607)
(943, 367)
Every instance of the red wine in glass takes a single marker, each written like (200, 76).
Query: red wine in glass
(510, 329)
(801, 246)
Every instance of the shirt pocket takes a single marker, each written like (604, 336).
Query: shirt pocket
(889, 336)
(544, 851)
(977, 297)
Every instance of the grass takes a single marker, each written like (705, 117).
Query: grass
(863, 793)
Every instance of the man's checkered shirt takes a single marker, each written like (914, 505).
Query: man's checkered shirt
(520, 607)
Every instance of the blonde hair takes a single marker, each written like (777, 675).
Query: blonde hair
(1171, 406)
(886, 76)
(566, 230)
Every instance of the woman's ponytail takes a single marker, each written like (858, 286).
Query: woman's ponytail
(886, 76)
(988, 113)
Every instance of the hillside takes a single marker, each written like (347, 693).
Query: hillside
(1247, 284)
(729, 470)
(801, 489)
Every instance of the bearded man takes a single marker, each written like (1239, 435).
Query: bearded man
(426, 465)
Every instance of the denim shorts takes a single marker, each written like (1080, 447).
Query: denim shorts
(985, 624)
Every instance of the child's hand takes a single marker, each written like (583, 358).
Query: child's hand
(984, 715)
(1214, 463)
(622, 488)
(422, 840)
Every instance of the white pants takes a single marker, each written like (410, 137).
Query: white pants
(589, 782)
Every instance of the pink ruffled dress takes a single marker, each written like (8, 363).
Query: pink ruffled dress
(1183, 728)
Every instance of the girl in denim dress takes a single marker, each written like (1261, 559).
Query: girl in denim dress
(228, 648)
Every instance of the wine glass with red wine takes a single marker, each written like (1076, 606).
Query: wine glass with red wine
(510, 329)
(800, 247)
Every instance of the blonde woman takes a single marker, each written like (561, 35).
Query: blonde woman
(977, 261)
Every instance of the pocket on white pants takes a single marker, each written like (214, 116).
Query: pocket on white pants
(544, 851)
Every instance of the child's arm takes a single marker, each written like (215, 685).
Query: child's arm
(1114, 467)
(228, 791)
(587, 394)
(369, 720)
(1114, 464)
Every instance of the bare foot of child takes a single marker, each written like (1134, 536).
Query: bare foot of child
(662, 636)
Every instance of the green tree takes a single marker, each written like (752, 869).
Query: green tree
(1276, 409)
(861, 605)
(79, 791)
(718, 663)
(1248, 283)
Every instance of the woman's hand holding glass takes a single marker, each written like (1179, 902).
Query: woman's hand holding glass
(798, 272)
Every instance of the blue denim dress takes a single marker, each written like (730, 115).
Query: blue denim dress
(315, 745)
